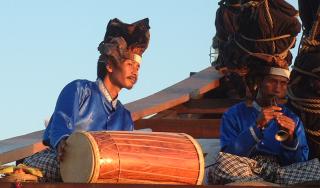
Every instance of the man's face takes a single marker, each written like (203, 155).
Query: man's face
(125, 74)
(273, 85)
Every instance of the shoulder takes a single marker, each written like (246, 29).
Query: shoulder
(78, 85)
(81, 83)
(121, 107)
(78, 88)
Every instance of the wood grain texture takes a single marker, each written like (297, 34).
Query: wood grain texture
(19, 147)
(197, 128)
(179, 93)
(205, 106)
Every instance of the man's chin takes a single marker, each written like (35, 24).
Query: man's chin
(129, 86)
(277, 95)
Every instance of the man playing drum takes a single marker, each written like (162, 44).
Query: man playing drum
(253, 147)
(93, 106)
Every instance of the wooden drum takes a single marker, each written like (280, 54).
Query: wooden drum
(132, 157)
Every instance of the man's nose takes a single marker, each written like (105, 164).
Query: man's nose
(278, 87)
(135, 69)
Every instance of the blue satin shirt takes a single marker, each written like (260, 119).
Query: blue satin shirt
(240, 136)
(82, 106)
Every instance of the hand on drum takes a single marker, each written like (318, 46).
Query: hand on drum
(61, 149)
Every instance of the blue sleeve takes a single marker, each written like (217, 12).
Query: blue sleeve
(296, 150)
(129, 120)
(235, 140)
(66, 111)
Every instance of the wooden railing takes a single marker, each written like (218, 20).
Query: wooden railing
(193, 87)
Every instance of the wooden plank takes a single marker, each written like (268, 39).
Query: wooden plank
(179, 93)
(16, 148)
(206, 106)
(166, 114)
(197, 128)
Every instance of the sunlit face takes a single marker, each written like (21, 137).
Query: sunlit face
(125, 74)
(274, 85)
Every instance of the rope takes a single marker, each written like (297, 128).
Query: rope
(268, 57)
(307, 44)
(266, 39)
(306, 105)
(310, 41)
(315, 25)
(266, 3)
(312, 132)
(313, 140)
(307, 73)
(226, 4)
(234, 5)
(316, 69)
(293, 97)
(300, 107)
(252, 4)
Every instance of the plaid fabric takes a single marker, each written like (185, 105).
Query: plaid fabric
(231, 168)
(47, 162)
(299, 172)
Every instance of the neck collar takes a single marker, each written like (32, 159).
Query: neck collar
(106, 93)
(256, 106)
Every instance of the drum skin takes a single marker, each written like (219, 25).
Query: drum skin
(132, 157)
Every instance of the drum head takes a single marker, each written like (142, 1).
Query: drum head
(78, 163)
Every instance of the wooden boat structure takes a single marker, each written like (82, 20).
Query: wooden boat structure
(186, 107)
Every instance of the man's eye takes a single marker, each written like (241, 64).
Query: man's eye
(272, 81)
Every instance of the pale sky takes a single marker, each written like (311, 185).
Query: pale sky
(47, 44)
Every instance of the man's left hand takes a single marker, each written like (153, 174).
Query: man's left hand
(287, 124)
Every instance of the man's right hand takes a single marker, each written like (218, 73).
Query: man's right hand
(267, 114)
(61, 149)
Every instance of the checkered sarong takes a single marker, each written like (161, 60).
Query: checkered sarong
(232, 168)
(47, 162)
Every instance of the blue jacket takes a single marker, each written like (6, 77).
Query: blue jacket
(81, 106)
(240, 136)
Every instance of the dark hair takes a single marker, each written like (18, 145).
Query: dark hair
(102, 63)
(101, 66)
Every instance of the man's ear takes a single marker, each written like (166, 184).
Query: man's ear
(109, 67)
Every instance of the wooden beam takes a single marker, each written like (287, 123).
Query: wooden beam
(206, 106)
(166, 114)
(16, 148)
(179, 93)
(197, 128)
